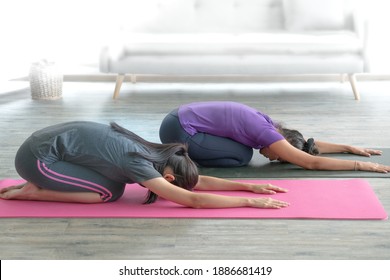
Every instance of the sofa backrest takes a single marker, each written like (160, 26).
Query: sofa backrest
(229, 16)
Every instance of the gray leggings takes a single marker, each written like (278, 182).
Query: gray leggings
(65, 176)
(205, 149)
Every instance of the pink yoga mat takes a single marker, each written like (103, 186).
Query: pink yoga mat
(309, 199)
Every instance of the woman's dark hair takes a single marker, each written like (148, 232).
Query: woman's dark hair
(295, 138)
(173, 155)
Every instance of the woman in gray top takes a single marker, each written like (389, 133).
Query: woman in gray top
(88, 162)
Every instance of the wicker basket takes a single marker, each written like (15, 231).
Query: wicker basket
(45, 81)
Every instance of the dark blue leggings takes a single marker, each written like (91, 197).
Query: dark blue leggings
(205, 149)
(65, 176)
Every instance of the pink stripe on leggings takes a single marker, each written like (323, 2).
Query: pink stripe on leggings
(106, 194)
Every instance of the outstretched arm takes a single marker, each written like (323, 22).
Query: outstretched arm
(291, 154)
(331, 148)
(163, 188)
(209, 183)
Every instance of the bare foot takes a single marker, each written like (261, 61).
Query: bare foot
(19, 192)
(3, 190)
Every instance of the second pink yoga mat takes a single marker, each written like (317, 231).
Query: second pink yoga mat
(309, 199)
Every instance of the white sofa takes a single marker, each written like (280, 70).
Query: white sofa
(237, 37)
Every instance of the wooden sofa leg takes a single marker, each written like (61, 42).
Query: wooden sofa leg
(352, 81)
(119, 81)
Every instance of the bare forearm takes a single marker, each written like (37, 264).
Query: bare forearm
(337, 164)
(214, 183)
(219, 201)
(330, 148)
(204, 200)
(332, 164)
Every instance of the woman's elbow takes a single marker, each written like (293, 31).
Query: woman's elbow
(314, 165)
(195, 201)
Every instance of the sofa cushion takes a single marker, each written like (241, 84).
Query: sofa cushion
(219, 64)
(259, 43)
(314, 15)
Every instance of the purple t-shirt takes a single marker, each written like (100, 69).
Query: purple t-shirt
(229, 119)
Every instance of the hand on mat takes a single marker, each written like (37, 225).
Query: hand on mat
(371, 166)
(266, 188)
(266, 202)
(364, 152)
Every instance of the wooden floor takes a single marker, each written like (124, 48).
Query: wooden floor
(323, 111)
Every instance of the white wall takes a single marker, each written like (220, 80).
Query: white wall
(377, 12)
(67, 31)
(72, 31)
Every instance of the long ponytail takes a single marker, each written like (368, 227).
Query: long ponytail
(174, 155)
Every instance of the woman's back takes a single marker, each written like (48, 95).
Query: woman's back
(234, 120)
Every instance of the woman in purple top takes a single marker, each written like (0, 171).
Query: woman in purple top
(224, 134)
